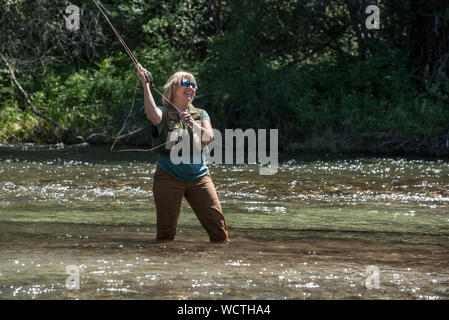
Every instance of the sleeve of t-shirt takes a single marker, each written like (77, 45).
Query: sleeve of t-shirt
(205, 116)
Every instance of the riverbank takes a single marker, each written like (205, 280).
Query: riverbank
(102, 152)
(370, 145)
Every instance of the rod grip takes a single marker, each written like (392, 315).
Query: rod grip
(148, 76)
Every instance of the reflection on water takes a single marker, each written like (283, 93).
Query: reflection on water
(308, 232)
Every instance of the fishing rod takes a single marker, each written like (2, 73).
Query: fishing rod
(147, 74)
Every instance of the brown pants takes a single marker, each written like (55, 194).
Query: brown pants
(202, 197)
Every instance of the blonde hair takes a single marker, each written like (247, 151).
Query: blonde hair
(173, 83)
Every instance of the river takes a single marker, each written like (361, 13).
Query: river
(332, 227)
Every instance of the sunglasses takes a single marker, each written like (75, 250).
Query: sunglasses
(188, 84)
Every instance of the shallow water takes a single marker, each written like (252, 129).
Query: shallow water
(308, 232)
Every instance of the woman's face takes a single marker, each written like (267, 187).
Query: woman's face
(185, 93)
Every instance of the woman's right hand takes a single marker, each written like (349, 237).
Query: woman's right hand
(141, 73)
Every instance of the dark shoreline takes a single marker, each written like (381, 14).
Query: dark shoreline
(102, 152)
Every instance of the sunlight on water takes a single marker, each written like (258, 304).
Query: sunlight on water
(307, 232)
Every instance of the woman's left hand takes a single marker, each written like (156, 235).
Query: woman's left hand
(187, 118)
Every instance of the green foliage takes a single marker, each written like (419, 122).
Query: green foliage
(302, 67)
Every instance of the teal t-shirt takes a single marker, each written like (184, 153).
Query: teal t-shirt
(182, 171)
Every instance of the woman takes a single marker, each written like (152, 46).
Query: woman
(192, 180)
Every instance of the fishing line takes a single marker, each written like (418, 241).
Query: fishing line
(147, 75)
(117, 34)
(127, 117)
(123, 127)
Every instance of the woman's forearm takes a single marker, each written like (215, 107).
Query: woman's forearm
(207, 133)
(152, 112)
